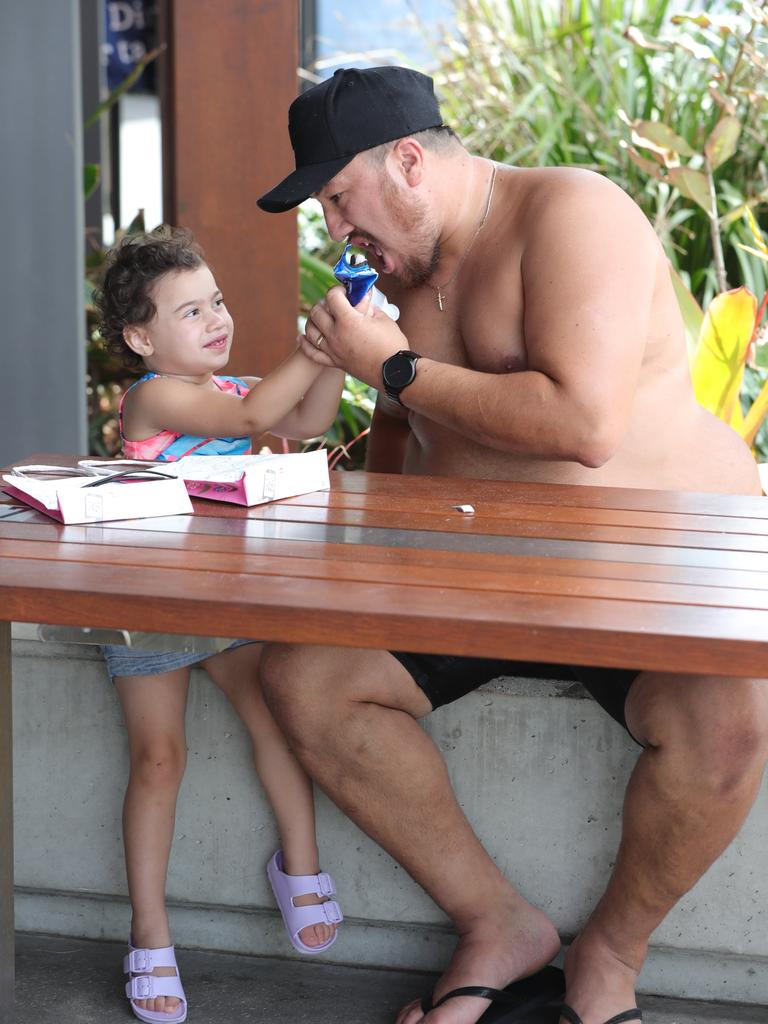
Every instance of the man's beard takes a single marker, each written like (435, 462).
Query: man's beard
(417, 270)
(420, 264)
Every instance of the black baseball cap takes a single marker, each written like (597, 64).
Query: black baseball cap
(355, 110)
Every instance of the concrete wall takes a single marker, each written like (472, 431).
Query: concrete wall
(539, 769)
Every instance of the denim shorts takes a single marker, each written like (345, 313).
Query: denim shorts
(130, 661)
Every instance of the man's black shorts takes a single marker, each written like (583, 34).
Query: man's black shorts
(445, 678)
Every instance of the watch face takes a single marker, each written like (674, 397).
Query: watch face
(400, 371)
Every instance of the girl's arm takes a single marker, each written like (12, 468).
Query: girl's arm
(317, 410)
(164, 403)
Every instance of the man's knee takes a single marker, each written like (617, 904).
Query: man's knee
(722, 723)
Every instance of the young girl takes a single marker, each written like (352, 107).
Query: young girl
(161, 309)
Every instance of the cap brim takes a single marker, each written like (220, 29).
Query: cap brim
(300, 185)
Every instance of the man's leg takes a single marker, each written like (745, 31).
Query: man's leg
(706, 746)
(350, 718)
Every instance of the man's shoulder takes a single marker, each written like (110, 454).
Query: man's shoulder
(567, 186)
(550, 202)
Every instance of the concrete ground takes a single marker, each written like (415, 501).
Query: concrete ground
(80, 982)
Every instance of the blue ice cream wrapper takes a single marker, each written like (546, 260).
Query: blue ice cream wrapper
(357, 278)
(352, 270)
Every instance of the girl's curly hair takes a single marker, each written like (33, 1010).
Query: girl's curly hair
(133, 267)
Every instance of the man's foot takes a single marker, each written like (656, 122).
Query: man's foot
(517, 941)
(599, 983)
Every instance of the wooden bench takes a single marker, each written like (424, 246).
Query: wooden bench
(605, 576)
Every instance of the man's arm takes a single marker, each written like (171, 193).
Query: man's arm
(589, 270)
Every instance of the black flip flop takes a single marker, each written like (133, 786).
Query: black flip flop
(517, 1002)
(620, 1018)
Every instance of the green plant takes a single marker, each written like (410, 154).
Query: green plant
(729, 358)
(731, 325)
(672, 106)
(707, 157)
(581, 82)
(537, 84)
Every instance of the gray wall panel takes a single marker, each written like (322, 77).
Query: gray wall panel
(42, 327)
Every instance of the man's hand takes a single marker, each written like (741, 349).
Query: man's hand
(355, 338)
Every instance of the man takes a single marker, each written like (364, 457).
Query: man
(550, 347)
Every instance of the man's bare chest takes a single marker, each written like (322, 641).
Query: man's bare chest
(479, 327)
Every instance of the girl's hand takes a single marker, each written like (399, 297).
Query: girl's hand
(314, 352)
(355, 338)
(312, 341)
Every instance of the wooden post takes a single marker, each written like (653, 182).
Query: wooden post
(230, 76)
(6, 824)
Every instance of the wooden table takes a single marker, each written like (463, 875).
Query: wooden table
(630, 578)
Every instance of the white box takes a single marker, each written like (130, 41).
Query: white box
(71, 500)
(253, 479)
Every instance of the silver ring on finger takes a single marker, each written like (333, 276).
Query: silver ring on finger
(320, 340)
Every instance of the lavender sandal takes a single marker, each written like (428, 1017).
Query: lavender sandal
(141, 962)
(286, 887)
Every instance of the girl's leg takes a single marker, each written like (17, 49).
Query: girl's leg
(285, 783)
(154, 708)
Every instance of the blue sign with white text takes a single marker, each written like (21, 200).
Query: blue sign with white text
(130, 35)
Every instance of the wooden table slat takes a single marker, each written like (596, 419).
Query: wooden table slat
(530, 627)
(733, 540)
(455, 490)
(701, 565)
(501, 580)
(519, 512)
(250, 529)
(681, 534)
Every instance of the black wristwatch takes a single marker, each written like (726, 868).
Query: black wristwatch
(398, 372)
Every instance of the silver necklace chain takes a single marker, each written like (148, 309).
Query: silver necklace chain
(440, 289)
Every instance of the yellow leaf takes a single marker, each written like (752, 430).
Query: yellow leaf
(755, 416)
(734, 214)
(718, 365)
(737, 419)
(752, 251)
(698, 19)
(756, 234)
